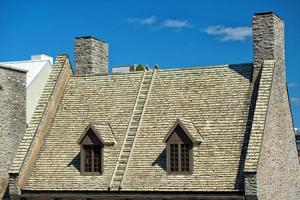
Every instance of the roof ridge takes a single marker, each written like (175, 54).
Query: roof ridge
(205, 67)
(24, 61)
(165, 70)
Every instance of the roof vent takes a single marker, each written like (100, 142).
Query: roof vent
(124, 68)
(42, 57)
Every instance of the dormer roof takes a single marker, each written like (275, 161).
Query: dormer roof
(189, 129)
(102, 131)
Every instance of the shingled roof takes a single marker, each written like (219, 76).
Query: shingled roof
(215, 98)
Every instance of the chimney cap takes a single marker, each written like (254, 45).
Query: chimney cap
(89, 37)
(267, 13)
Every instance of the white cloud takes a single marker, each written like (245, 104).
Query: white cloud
(152, 20)
(176, 24)
(223, 33)
(142, 21)
(295, 100)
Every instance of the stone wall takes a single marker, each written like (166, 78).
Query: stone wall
(278, 170)
(12, 118)
(278, 167)
(35, 89)
(91, 55)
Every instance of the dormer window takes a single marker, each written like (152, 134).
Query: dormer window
(180, 157)
(91, 148)
(180, 140)
(179, 152)
(92, 155)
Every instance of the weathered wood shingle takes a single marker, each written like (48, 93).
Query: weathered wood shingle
(215, 99)
(97, 99)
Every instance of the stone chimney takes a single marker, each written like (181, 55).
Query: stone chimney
(91, 55)
(268, 40)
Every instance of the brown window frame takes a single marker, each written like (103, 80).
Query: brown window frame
(90, 140)
(94, 163)
(181, 161)
(180, 140)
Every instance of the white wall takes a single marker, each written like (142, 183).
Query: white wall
(35, 89)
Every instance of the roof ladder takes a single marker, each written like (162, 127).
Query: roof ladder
(132, 130)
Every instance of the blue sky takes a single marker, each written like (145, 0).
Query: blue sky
(169, 33)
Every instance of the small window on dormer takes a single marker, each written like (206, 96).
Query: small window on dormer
(92, 158)
(180, 157)
(92, 143)
(180, 140)
(91, 154)
(179, 152)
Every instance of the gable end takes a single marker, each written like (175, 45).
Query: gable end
(92, 134)
(188, 128)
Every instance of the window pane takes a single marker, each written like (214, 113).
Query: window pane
(88, 158)
(185, 160)
(174, 160)
(97, 158)
(92, 160)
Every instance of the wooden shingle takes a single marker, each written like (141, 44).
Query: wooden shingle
(214, 100)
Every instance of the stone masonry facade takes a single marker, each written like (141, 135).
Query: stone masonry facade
(91, 55)
(278, 169)
(12, 104)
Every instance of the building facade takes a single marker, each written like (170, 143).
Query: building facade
(12, 118)
(38, 70)
(217, 132)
